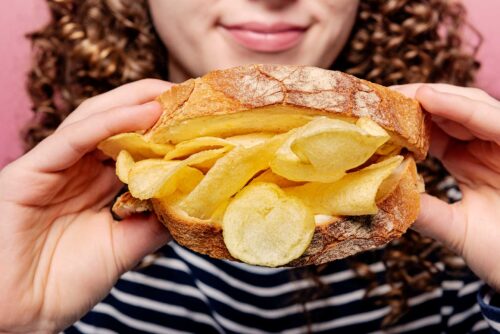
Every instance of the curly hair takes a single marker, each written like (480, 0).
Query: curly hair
(92, 46)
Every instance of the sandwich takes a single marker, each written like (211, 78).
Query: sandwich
(277, 165)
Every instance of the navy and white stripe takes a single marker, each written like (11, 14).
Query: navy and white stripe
(184, 292)
(490, 305)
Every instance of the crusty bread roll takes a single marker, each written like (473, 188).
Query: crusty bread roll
(294, 90)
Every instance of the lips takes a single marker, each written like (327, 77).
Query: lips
(262, 37)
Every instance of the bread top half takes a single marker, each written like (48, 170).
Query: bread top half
(293, 90)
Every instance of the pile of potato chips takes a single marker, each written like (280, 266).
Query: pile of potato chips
(264, 187)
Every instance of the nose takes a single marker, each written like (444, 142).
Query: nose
(275, 4)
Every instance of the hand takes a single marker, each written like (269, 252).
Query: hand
(466, 138)
(61, 251)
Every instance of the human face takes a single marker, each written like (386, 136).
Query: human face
(203, 35)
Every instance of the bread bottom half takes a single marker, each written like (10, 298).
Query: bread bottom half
(334, 238)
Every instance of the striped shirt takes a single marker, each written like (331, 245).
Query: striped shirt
(185, 292)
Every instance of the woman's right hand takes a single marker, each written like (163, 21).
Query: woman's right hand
(61, 251)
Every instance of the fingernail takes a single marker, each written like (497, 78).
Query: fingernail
(425, 88)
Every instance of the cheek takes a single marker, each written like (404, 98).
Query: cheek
(335, 12)
(177, 21)
(335, 19)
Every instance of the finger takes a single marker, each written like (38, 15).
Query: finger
(441, 221)
(103, 190)
(138, 92)
(469, 162)
(440, 142)
(409, 90)
(477, 94)
(101, 156)
(136, 237)
(67, 146)
(488, 154)
(480, 118)
(472, 164)
(85, 194)
(453, 129)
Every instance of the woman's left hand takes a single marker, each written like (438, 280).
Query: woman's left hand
(466, 138)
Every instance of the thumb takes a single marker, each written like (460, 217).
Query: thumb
(136, 237)
(441, 221)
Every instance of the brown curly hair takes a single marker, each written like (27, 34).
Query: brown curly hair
(93, 46)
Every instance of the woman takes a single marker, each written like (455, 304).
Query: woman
(63, 252)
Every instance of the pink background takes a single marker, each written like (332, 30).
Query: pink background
(16, 19)
(19, 17)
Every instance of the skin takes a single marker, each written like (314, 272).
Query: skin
(56, 230)
(466, 138)
(197, 43)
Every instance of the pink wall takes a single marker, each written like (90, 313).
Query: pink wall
(16, 19)
(483, 14)
(19, 17)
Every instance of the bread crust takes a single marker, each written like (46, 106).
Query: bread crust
(305, 90)
(126, 205)
(300, 89)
